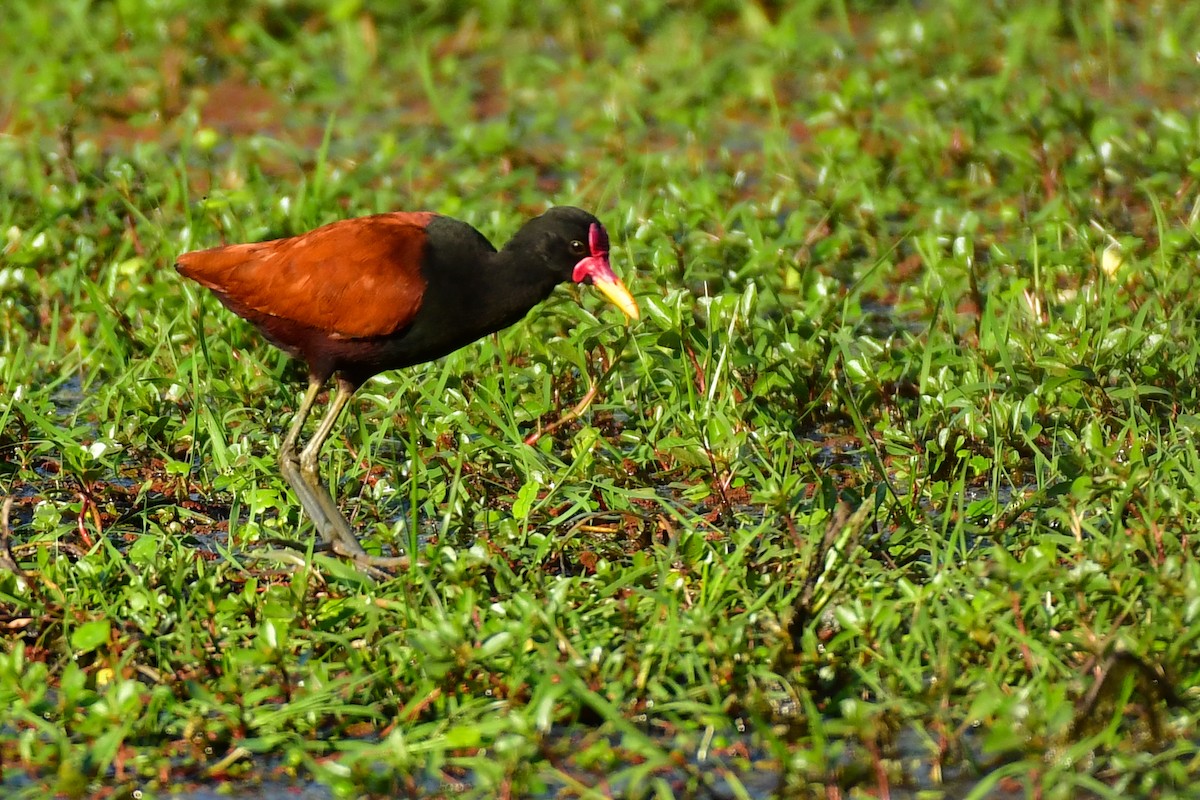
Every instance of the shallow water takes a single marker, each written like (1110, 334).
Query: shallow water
(735, 769)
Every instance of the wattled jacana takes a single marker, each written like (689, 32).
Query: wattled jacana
(360, 296)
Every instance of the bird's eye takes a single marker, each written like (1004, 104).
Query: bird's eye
(577, 248)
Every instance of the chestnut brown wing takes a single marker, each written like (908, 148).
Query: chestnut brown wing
(354, 278)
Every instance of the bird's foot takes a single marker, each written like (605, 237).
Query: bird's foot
(346, 545)
(378, 567)
(334, 529)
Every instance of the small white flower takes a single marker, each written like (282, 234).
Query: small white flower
(1111, 260)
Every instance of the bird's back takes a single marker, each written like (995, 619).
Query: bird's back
(350, 279)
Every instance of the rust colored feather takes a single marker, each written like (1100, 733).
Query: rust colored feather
(357, 278)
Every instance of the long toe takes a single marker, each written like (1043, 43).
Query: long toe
(377, 567)
(373, 565)
(345, 544)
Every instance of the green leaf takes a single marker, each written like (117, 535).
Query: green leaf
(462, 736)
(91, 635)
(526, 497)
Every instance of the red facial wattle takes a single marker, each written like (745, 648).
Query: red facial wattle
(597, 268)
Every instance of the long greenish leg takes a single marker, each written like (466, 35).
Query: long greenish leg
(301, 472)
(289, 463)
(287, 451)
(343, 534)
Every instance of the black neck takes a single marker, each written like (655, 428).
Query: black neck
(507, 287)
(486, 295)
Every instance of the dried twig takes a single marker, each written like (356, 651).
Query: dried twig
(828, 563)
(613, 360)
(571, 415)
(7, 561)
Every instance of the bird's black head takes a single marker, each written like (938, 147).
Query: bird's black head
(574, 245)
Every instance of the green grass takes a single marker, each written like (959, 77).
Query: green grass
(893, 487)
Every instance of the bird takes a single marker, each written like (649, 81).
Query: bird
(364, 295)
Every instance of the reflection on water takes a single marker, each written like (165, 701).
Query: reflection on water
(737, 768)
